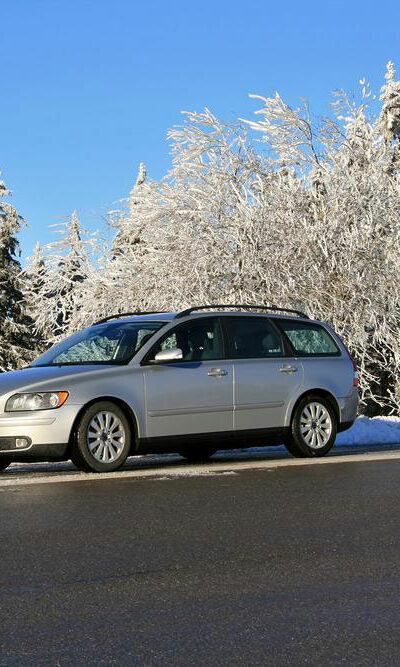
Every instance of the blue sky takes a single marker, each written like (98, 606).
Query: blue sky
(88, 88)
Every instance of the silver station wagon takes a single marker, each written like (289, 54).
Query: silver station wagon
(207, 378)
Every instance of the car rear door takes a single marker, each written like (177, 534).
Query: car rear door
(265, 375)
(326, 365)
(195, 395)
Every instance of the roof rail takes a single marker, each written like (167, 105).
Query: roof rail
(135, 312)
(183, 313)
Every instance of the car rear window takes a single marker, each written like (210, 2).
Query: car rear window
(309, 339)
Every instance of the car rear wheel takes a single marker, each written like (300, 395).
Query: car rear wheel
(198, 453)
(4, 463)
(313, 428)
(102, 439)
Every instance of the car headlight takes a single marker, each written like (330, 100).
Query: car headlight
(42, 401)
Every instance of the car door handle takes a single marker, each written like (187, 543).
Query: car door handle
(217, 372)
(288, 369)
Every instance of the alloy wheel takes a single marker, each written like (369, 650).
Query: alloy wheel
(315, 425)
(105, 436)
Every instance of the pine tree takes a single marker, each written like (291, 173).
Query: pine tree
(389, 120)
(15, 343)
(58, 279)
(126, 236)
(34, 280)
(72, 272)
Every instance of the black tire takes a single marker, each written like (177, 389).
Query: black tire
(4, 463)
(197, 453)
(85, 456)
(293, 449)
(326, 426)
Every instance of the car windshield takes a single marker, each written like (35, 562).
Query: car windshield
(114, 343)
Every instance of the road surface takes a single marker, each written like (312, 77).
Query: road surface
(243, 561)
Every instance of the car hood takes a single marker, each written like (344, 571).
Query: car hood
(31, 378)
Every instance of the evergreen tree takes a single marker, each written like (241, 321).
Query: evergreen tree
(15, 344)
(127, 237)
(72, 271)
(34, 280)
(389, 119)
(57, 280)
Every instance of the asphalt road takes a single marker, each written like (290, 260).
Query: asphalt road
(291, 565)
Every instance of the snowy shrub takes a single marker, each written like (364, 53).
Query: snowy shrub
(311, 219)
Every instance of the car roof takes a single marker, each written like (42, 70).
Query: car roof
(168, 317)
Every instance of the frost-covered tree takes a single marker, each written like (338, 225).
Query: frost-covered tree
(34, 281)
(389, 119)
(188, 225)
(126, 235)
(15, 344)
(340, 257)
(58, 278)
(310, 220)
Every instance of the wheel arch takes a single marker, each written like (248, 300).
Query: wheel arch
(129, 413)
(323, 393)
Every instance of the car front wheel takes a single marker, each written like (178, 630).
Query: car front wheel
(313, 428)
(102, 439)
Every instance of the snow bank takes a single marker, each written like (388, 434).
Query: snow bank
(375, 431)
(365, 431)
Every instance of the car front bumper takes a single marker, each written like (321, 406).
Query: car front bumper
(43, 434)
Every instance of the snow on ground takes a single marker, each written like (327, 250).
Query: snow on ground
(371, 431)
(365, 431)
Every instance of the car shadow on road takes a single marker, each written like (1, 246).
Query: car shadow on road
(166, 461)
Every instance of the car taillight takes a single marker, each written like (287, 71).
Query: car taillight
(356, 377)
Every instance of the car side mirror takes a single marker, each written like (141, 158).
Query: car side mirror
(173, 354)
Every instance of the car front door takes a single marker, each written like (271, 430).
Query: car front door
(264, 378)
(193, 395)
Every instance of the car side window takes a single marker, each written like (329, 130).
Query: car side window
(200, 339)
(253, 338)
(309, 339)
